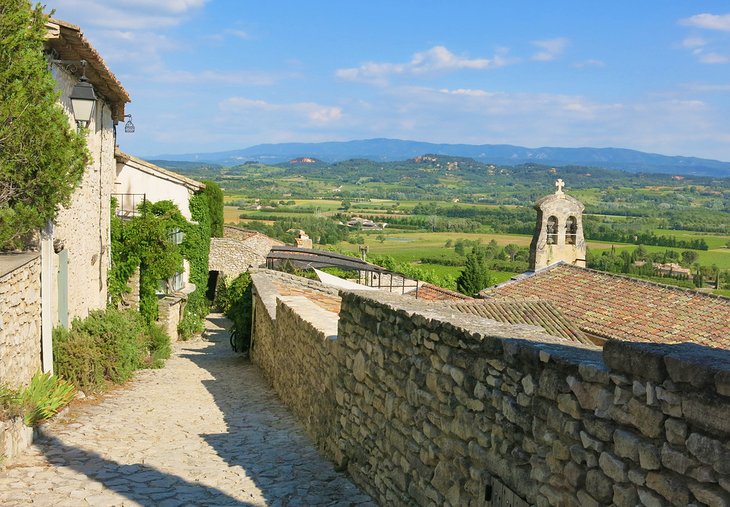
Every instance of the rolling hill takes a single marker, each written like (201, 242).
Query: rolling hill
(386, 150)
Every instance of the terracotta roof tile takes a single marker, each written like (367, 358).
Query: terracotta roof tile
(430, 292)
(534, 312)
(622, 308)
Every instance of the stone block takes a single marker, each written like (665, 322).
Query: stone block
(586, 500)
(551, 384)
(649, 421)
(710, 452)
(528, 385)
(676, 431)
(612, 466)
(650, 499)
(649, 457)
(599, 428)
(710, 495)
(703, 473)
(574, 474)
(675, 460)
(599, 486)
(638, 360)
(569, 405)
(624, 495)
(637, 476)
(668, 486)
(594, 397)
(582, 456)
(626, 444)
(590, 442)
(707, 413)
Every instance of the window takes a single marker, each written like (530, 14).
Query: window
(177, 236)
(571, 230)
(175, 283)
(552, 231)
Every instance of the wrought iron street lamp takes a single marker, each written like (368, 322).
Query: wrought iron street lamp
(83, 99)
(129, 126)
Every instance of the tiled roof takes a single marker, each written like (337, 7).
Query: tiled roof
(160, 172)
(431, 292)
(70, 44)
(617, 307)
(534, 312)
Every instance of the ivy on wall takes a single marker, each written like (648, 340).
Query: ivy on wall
(145, 241)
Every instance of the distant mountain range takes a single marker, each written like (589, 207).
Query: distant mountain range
(498, 154)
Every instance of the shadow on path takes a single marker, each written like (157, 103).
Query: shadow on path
(263, 437)
(138, 482)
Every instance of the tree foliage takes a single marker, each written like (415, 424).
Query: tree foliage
(475, 275)
(215, 207)
(42, 158)
(145, 241)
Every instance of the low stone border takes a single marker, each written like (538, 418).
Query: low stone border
(15, 438)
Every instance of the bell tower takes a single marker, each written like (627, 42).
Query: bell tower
(559, 231)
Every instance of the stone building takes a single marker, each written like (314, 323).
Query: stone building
(238, 250)
(79, 259)
(136, 178)
(559, 231)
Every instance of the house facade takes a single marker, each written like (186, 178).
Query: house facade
(76, 249)
(137, 180)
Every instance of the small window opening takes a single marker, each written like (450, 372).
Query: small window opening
(552, 231)
(571, 230)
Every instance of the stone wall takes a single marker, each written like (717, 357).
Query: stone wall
(238, 251)
(15, 438)
(20, 318)
(426, 407)
(169, 314)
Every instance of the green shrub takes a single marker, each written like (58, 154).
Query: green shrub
(237, 307)
(10, 405)
(45, 396)
(107, 346)
(42, 399)
(158, 345)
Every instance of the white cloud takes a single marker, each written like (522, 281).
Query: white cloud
(125, 14)
(707, 21)
(694, 42)
(707, 87)
(239, 34)
(436, 59)
(712, 58)
(221, 77)
(311, 111)
(549, 49)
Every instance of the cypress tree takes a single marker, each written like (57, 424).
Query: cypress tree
(42, 158)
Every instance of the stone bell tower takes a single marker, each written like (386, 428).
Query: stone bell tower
(559, 231)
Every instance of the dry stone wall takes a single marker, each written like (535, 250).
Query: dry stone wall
(20, 318)
(425, 407)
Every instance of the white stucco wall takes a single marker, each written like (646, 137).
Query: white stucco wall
(133, 178)
(83, 227)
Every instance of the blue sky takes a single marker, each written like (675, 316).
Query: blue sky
(213, 75)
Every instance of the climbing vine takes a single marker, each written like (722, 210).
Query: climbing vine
(195, 248)
(145, 241)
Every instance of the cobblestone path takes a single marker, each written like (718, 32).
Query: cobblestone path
(205, 430)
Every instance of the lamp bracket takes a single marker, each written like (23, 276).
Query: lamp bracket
(72, 66)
